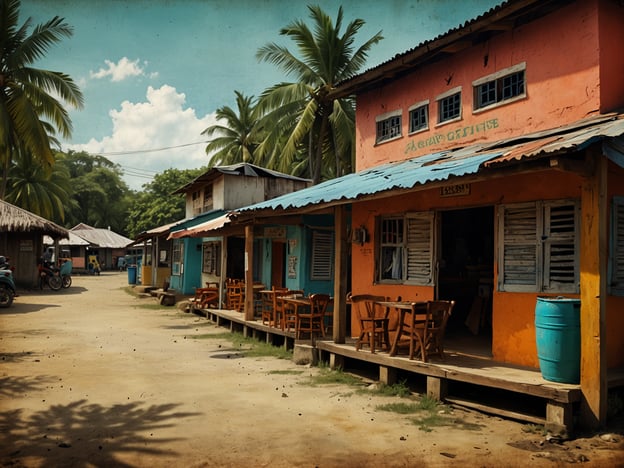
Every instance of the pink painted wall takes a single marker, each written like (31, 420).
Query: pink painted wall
(563, 84)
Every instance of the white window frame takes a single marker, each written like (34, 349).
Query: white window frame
(497, 78)
(388, 117)
(616, 257)
(442, 97)
(414, 249)
(322, 260)
(537, 249)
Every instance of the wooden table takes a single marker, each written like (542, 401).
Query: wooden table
(405, 309)
(296, 303)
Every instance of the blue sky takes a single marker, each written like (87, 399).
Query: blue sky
(153, 72)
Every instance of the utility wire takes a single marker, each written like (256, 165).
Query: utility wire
(165, 148)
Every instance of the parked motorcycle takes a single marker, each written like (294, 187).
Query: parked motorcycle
(7, 285)
(49, 275)
(65, 271)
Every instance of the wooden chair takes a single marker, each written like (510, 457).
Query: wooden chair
(205, 298)
(311, 321)
(287, 311)
(278, 307)
(432, 339)
(235, 295)
(372, 319)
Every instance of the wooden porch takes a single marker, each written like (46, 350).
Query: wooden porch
(509, 391)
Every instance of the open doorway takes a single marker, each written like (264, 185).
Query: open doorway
(466, 276)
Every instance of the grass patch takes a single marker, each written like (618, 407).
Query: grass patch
(286, 372)
(398, 389)
(249, 347)
(153, 307)
(430, 421)
(327, 376)
(400, 408)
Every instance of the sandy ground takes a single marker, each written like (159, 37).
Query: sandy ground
(94, 377)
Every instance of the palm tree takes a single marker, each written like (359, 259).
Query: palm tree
(30, 115)
(44, 192)
(236, 135)
(318, 125)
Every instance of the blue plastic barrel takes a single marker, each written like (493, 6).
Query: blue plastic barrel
(558, 337)
(132, 274)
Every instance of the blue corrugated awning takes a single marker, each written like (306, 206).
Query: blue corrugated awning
(392, 176)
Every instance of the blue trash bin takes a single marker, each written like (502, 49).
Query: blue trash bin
(132, 274)
(558, 337)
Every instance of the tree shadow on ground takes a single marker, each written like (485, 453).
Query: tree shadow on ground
(81, 434)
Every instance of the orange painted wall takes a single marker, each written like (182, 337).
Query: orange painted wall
(611, 56)
(513, 313)
(562, 87)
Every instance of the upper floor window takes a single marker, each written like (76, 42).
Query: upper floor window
(419, 116)
(388, 126)
(449, 105)
(502, 86)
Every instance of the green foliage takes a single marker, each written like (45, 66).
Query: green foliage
(306, 128)
(328, 376)
(31, 110)
(249, 347)
(100, 197)
(156, 205)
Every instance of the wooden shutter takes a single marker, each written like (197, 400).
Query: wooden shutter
(519, 253)
(616, 283)
(322, 256)
(419, 248)
(561, 260)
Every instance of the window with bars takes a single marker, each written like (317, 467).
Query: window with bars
(211, 258)
(388, 126)
(176, 257)
(616, 259)
(322, 263)
(449, 107)
(419, 118)
(539, 247)
(406, 249)
(499, 87)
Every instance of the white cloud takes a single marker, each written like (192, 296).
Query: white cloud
(121, 70)
(160, 122)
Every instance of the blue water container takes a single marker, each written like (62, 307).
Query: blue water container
(132, 274)
(558, 337)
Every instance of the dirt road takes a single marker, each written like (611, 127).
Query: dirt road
(95, 377)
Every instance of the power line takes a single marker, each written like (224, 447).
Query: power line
(164, 148)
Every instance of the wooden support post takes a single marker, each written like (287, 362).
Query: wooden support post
(340, 277)
(559, 417)
(593, 266)
(249, 292)
(336, 361)
(437, 387)
(387, 375)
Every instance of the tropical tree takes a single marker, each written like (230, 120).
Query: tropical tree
(155, 206)
(235, 136)
(46, 193)
(30, 113)
(317, 125)
(100, 197)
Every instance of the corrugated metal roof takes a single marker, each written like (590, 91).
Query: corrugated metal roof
(202, 229)
(104, 238)
(441, 166)
(240, 169)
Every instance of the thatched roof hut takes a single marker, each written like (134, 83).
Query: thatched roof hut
(15, 219)
(21, 239)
